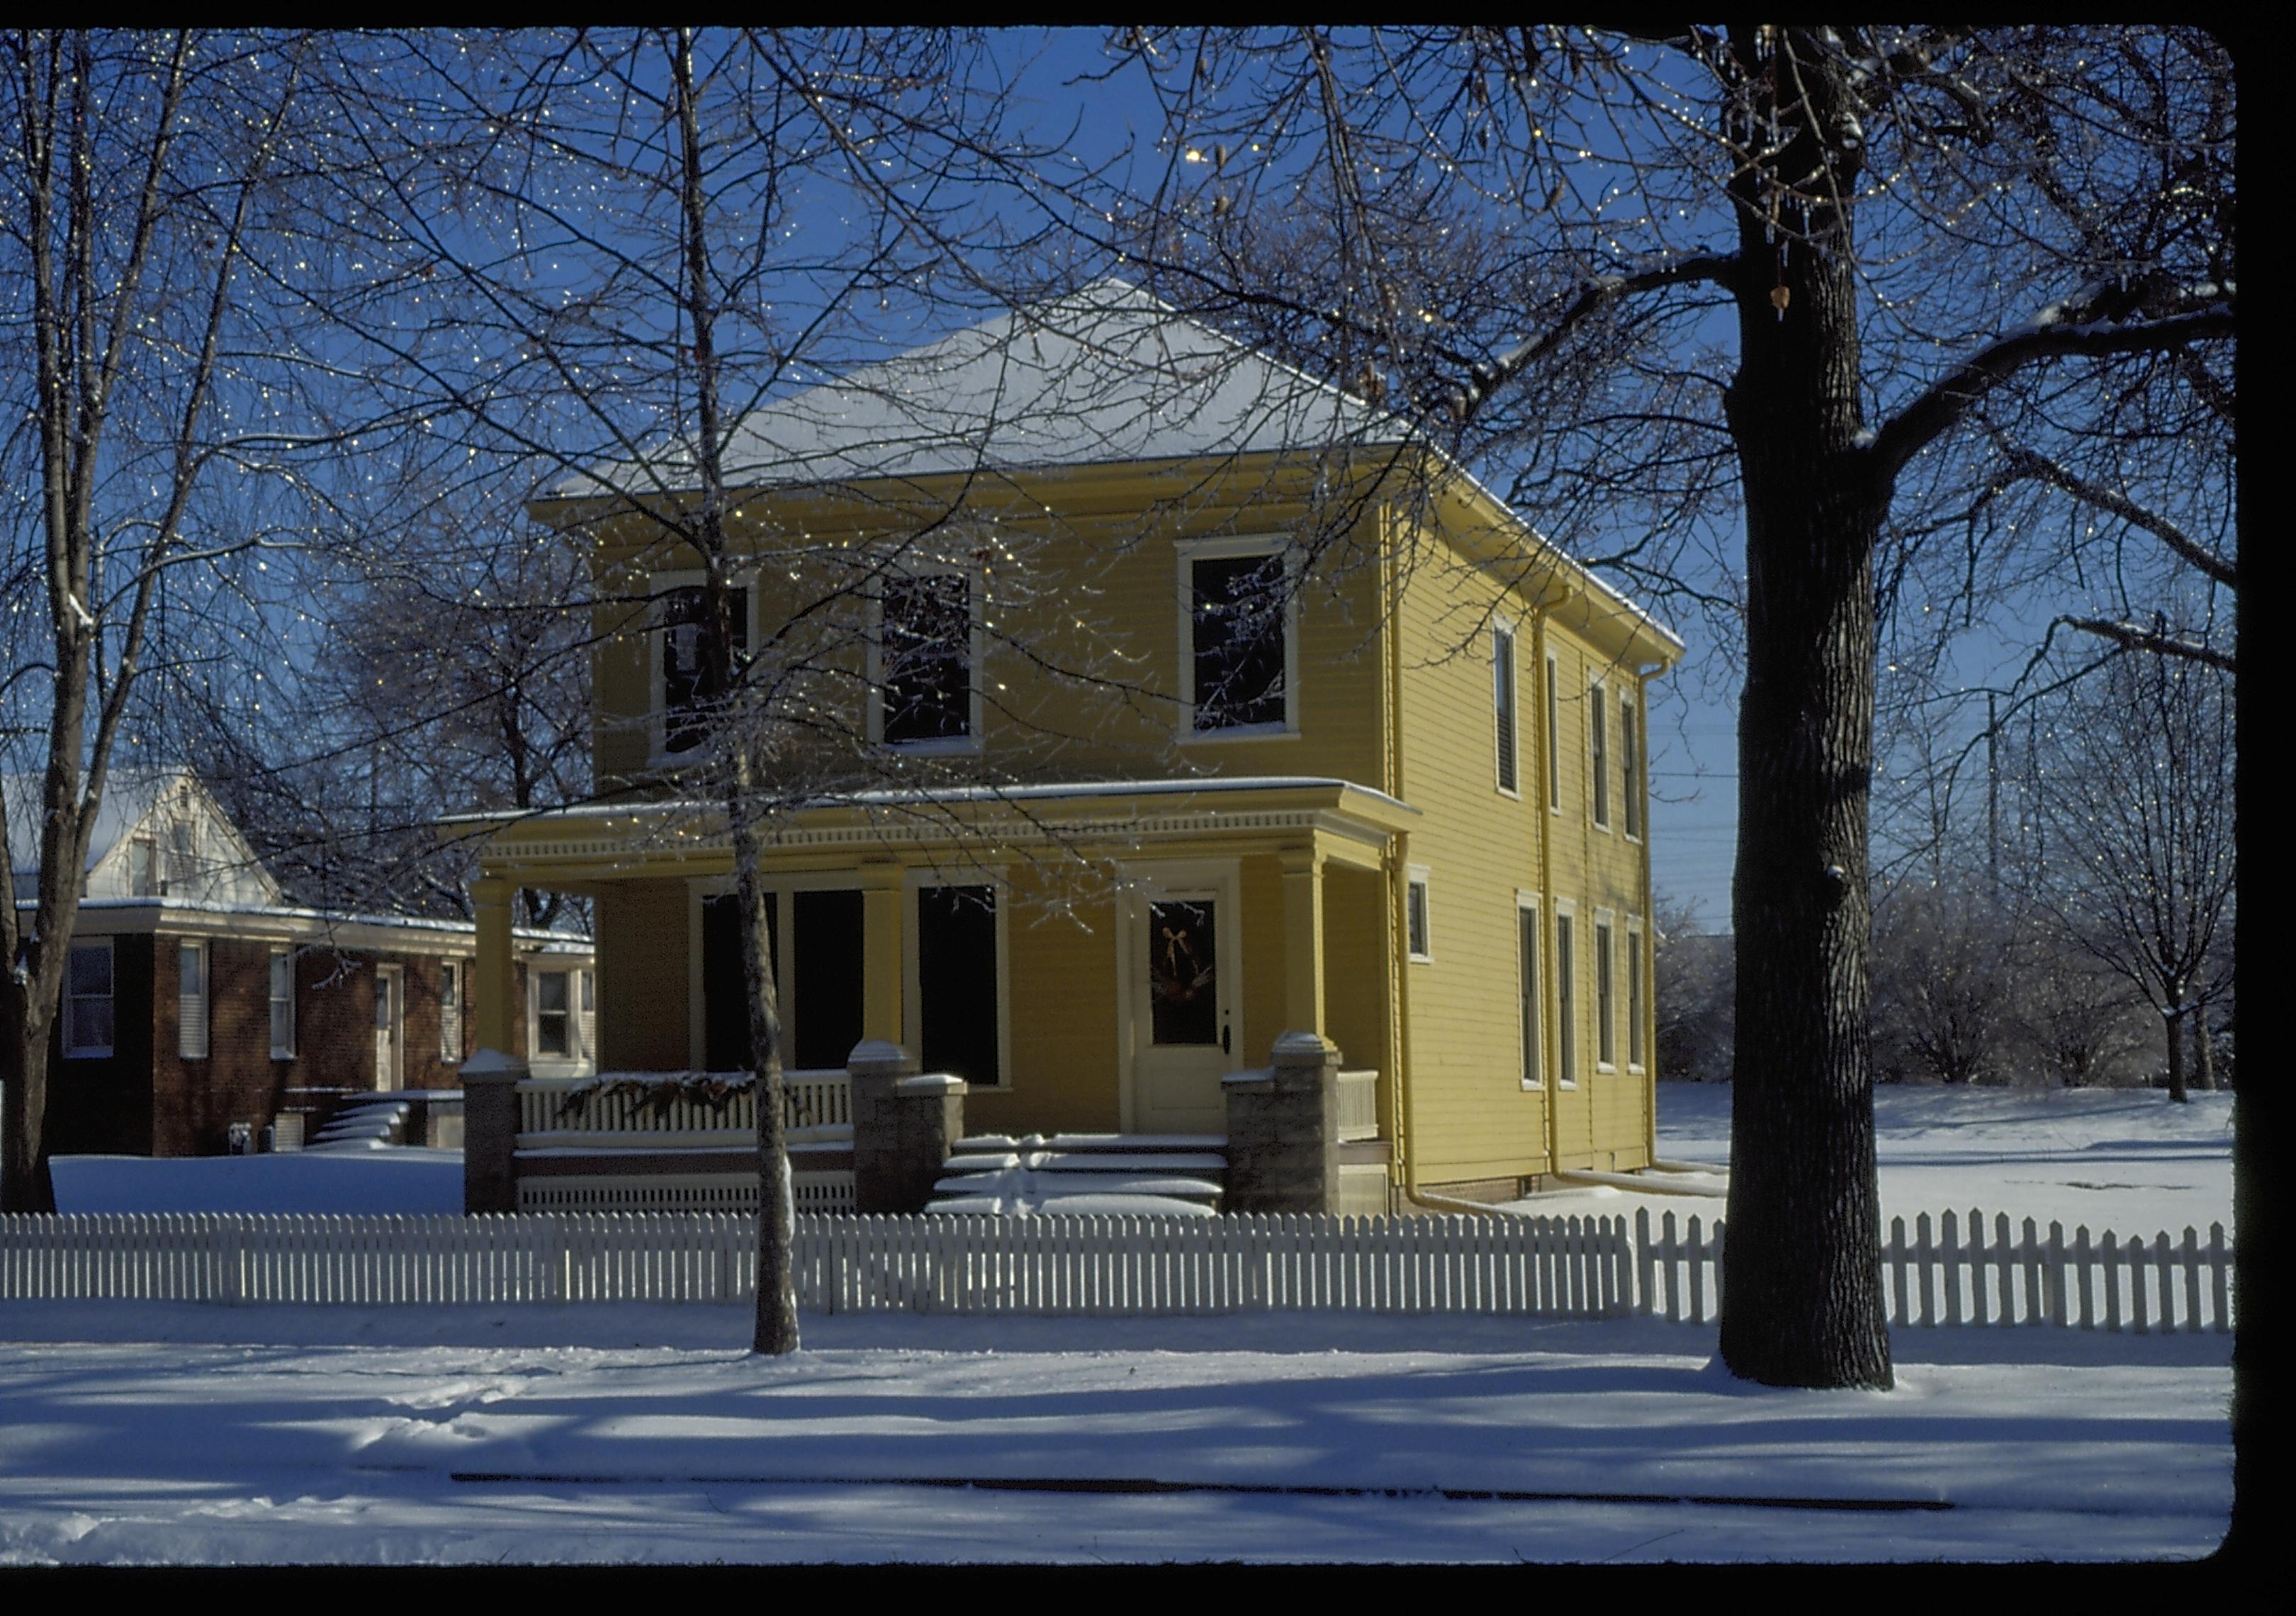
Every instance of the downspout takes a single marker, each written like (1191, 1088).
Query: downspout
(1401, 1169)
(1550, 1093)
(1648, 963)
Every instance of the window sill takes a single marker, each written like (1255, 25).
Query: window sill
(1245, 732)
(956, 746)
(1533, 1086)
(1420, 959)
(87, 1054)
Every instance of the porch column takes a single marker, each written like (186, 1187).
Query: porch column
(494, 984)
(1303, 938)
(880, 952)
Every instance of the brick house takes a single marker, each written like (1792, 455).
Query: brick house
(198, 998)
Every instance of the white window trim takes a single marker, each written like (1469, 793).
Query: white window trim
(1421, 876)
(281, 1052)
(975, 647)
(914, 882)
(1526, 902)
(577, 1057)
(1566, 995)
(1508, 633)
(1632, 809)
(75, 1050)
(1606, 1016)
(184, 1049)
(1190, 551)
(1553, 735)
(657, 585)
(1598, 763)
(1637, 994)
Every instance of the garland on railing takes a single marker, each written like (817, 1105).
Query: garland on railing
(658, 1090)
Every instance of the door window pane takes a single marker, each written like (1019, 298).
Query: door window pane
(1183, 971)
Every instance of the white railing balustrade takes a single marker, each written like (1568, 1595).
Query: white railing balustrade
(634, 1109)
(1358, 1105)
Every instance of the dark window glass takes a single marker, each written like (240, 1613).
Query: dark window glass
(1601, 757)
(1502, 702)
(957, 980)
(1565, 996)
(928, 658)
(725, 1044)
(550, 1013)
(827, 962)
(1630, 760)
(1527, 957)
(1415, 914)
(1238, 625)
(680, 616)
(1183, 973)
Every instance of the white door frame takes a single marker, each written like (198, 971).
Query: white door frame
(1145, 881)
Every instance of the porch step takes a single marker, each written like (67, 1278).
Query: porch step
(367, 1123)
(1001, 1174)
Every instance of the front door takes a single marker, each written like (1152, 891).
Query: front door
(389, 1017)
(1182, 972)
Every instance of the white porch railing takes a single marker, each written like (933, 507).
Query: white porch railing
(636, 1110)
(1358, 1105)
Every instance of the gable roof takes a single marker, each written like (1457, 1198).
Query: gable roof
(1109, 372)
(131, 797)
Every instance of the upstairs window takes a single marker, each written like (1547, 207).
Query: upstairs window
(1630, 792)
(678, 617)
(191, 1001)
(143, 867)
(87, 1000)
(925, 683)
(1554, 740)
(1239, 651)
(1502, 704)
(183, 851)
(1598, 745)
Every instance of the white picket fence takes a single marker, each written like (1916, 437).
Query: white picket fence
(1949, 1273)
(1097, 1265)
(1092, 1265)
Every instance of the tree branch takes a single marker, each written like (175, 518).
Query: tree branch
(2137, 638)
(2026, 463)
(1487, 377)
(2094, 322)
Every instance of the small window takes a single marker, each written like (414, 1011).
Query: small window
(1553, 740)
(1565, 998)
(1606, 1053)
(1502, 704)
(283, 1005)
(678, 613)
(450, 1011)
(587, 1022)
(1598, 744)
(1239, 642)
(1630, 790)
(191, 1001)
(183, 851)
(143, 867)
(1526, 954)
(553, 1028)
(925, 687)
(87, 1000)
(1414, 910)
(1634, 999)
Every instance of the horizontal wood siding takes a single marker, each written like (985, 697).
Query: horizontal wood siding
(1063, 972)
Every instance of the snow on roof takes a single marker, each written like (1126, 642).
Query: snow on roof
(1108, 373)
(128, 794)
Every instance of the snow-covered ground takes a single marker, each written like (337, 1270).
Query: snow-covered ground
(142, 1432)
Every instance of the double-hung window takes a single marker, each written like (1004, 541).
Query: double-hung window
(1554, 739)
(1527, 986)
(1566, 1024)
(191, 1001)
(1503, 705)
(1420, 945)
(183, 853)
(1634, 998)
(1630, 788)
(1240, 663)
(925, 693)
(450, 1011)
(1606, 1050)
(1599, 761)
(553, 1014)
(283, 1005)
(87, 1000)
(681, 698)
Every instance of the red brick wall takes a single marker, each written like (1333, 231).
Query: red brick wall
(103, 1107)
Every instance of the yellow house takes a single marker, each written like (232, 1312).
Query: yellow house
(1122, 700)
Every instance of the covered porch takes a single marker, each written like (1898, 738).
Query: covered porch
(1090, 958)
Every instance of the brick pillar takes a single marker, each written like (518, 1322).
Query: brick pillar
(491, 1082)
(1284, 1131)
(904, 1127)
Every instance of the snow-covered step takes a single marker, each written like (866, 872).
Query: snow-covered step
(1181, 1188)
(366, 1124)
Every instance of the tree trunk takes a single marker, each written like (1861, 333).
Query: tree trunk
(2204, 1054)
(777, 1320)
(2174, 1016)
(25, 1183)
(1801, 1266)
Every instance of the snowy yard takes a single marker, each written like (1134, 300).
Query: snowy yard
(147, 1433)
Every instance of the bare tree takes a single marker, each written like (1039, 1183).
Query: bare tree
(2135, 790)
(1930, 244)
(1948, 965)
(147, 176)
